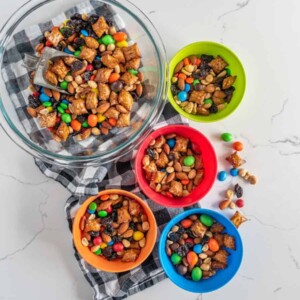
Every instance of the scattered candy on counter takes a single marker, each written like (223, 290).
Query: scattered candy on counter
(202, 85)
(101, 76)
(226, 137)
(115, 227)
(172, 167)
(197, 247)
(222, 175)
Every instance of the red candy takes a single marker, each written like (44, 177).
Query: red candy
(118, 247)
(89, 68)
(109, 209)
(190, 241)
(240, 203)
(97, 240)
(36, 94)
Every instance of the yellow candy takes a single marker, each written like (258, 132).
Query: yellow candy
(66, 21)
(122, 44)
(137, 235)
(101, 118)
(50, 109)
(103, 245)
(95, 90)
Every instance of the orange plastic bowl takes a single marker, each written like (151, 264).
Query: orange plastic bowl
(102, 263)
(199, 144)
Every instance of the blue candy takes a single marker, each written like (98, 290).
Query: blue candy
(187, 87)
(110, 243)
(182, 96)
(222, 175)
(171, 143)
(65, 101)
(67, 50)
(197, 248)
(163, 170)
(42, 90)
(234, 172)
(98, 57)
(44, 97)
(84, 32)
(91, 211)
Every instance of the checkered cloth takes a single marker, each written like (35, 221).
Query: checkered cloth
(87, 181)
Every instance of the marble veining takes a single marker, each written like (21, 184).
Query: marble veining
(240, 5)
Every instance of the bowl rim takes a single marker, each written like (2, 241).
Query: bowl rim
(160, 99)
(178, 218)
(139, 174)
(76, 232)
(206, 119)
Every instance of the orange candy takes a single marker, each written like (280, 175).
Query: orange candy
(182, 75)
(186, 61)
(238, 146)
(92, 120)
(112, 121)
(92, 77)
(76, 125)
(189, 80)
(192, 258)
(104, 197)
(213, 245)
(198, 62)
(113, 77)
(186, 223)
(185, 181)
(120, 36)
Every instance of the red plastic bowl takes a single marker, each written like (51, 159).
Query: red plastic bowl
(200, 143)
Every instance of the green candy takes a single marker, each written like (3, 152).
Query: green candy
(61, 110)
(63, 105)
(47, 104)
(77, 53)
(196, 81)
(102, 213)
(226, 137)
(108, 39)
(66, 118)
(189, 160)
(85, 124)
(196, 274)
(133, 72)
(98, 252)
(206, 220)
(208, 101)
(228, 71)
(64, 85)
(100, 41)
(93, 206)
(176, 259)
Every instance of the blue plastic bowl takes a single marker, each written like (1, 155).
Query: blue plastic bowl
(222, 276)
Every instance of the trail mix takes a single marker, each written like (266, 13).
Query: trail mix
(202, 85)
(197, 247)
(101, 77)
(172, 167)
(115, 227)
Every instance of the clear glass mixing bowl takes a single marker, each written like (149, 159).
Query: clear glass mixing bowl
(154, 68)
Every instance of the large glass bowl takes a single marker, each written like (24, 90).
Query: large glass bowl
(103, 150)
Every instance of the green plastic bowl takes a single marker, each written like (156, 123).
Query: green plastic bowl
(234, 64)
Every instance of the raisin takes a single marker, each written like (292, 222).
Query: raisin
(33, 102)
(76, 65)
(59, 47)
(206, 58)
(82, 118)
(171, 156)
(151, 153)
(106, 221)
(87, 75)
(97, 64)
(196, 75)
(238, 190)
(182, 250)
(213, 109)
(134, 96)
(205, 240)
(94, 233)
(93, 19)
(174, 89)
(79, 41)
(107, 252)
(114, 216)
(132, 225)
(118, 205)
(116, 239)
(76, 16)
(67, 32)
(229, 91)
(174, 236)
(108, 229)
(180, 229)
(43, 40)
(113, 256)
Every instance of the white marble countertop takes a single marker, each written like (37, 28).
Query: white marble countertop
(36, 255)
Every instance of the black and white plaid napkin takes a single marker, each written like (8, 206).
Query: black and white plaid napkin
(87, 181)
